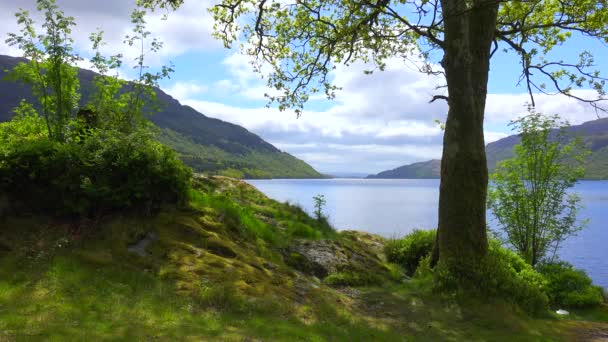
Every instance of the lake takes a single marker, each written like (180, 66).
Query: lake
(394, 207)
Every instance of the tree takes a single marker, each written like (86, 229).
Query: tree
(319, 204)
(52, 74)
(142, 95)
(123, 104)
(303, 40)
(49, 71)
(529, 193)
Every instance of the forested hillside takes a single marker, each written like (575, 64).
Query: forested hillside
(206, 144)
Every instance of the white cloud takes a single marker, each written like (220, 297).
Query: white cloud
(376, 122)
(185, 90)
(493, 136)
(502, 108)
(409, 128)
(187, 29)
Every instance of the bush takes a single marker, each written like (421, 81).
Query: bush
(101, 171)
(409, 250)
(501, 274)
(569, 287)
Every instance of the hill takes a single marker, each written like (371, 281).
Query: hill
(426, 169)
(233, 265)
(206, 144)
(594, 134)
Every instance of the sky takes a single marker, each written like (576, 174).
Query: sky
(376, 122)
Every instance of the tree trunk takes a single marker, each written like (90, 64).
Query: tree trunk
(469, 32)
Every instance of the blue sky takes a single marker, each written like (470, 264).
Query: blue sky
(375, 123)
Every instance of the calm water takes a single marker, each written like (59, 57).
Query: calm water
(393, 208)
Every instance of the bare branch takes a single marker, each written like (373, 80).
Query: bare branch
(439, 97)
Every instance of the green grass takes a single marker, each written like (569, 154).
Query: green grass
(70, 299)
(67, 298)
(216, 273)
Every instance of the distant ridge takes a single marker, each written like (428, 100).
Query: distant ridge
(206, 144)
(426, 169)
(594, 134)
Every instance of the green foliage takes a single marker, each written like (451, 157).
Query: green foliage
(102, 171)
(123, 105)
(302, 43)
(411, 249)
(26, 124)
(106, 98)
(99, 158)
(141, 96)
(529, 193)
(49, 71)
(53, 77)
(319, 203)
(569, 287)
(501, 274)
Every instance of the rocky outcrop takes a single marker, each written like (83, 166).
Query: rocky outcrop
(318, 258)
(349, 256)
(139, 248)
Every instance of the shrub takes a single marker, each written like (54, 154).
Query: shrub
(569, 287)
(409, 250)
(501, 274)
(103, 171)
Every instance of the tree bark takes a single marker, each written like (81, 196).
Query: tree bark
(469, 32)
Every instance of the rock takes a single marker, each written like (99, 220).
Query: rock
(317, 258)
(140, 247)
(562, 312)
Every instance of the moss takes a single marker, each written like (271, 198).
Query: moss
(219, 247)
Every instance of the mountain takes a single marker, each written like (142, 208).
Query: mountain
(594, 134)
(425, 169)
(206, 144)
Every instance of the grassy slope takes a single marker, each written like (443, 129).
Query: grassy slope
(250, 163)
(216, 272)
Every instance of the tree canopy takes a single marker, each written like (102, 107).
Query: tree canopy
(302, 41)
